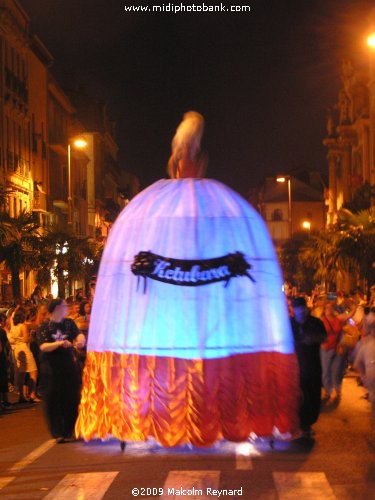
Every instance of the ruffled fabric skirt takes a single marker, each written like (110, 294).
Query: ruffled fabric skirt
(189, 361)
(178, 401)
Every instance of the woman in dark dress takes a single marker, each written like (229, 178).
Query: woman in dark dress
(60, 376)
(4, 364)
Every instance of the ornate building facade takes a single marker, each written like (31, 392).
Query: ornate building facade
(15, 113)
(39, 165)
(350, 139)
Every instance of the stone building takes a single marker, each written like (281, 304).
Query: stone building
(15, 127)
(63, 127)
(350, 138)
(22, 61)
(304, 212)
(109, 188)
(39, 120)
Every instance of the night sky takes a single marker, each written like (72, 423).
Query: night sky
(263, 80)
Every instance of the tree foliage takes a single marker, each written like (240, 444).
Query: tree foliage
(356, 243)
(362, 199)
(320, 254)
(18, 246)
(25, 246)
(348, 246)
(68, 256)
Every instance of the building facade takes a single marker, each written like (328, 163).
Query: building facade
(42, 170)
(15, 153)
(109, 187)
(300, 211)
(16, 158)
(350, 139)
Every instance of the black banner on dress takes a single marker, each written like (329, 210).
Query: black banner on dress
(190, 272)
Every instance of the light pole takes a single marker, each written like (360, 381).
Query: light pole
(286, 178)
(306, 224)
(371, 86)
(79, 144)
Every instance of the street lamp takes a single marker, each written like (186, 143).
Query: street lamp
(286, 178)
(78, 143)
(371, 41)
(371, 86)
(306, 224)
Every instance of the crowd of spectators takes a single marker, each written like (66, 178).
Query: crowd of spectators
(332, 333)
(349, 344)
(20, 353)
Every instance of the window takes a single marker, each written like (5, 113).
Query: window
(277, 214)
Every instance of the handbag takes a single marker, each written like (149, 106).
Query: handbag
(350, 336)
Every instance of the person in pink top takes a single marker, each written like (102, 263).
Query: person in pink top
(333, 361)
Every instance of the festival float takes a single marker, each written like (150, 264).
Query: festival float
(190, 338)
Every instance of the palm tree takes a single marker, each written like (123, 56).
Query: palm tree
(362, 198)
(19, 241)
(356, 243)
(321, 254)
(67, 255)
(295, 270)
(347, 247)
(80, 260)
(7, 230)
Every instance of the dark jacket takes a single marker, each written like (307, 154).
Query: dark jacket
(307, 339)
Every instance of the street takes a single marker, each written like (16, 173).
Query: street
(340, 464)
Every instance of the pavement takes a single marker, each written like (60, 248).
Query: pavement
(337, 464)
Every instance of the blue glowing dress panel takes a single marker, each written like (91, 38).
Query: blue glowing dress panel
(189, 219)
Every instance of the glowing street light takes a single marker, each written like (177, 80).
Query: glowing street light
(78, 143)
(286, 178)
(371, 41)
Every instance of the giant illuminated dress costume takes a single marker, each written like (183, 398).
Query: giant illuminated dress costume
(189, 336)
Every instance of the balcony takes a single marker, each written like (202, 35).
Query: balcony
(62, 205)
(39, 202)
(15, 85)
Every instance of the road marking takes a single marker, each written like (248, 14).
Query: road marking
(306, 485)
(88, 485)
(4, 481)
(31, 457)
(191, 483)
(244, 452)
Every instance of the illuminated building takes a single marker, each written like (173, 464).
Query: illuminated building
(38, 121)
(350, 136)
